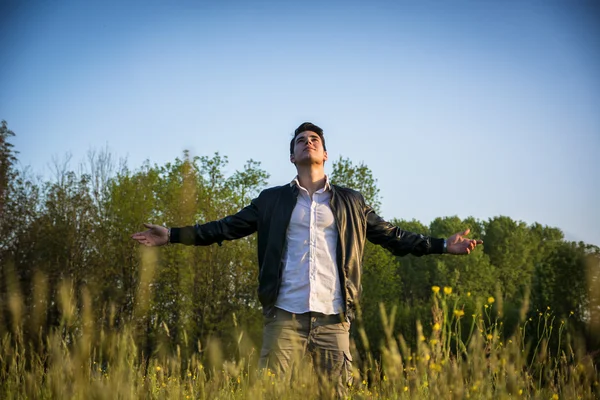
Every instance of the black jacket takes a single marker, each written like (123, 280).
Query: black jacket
(270, 214)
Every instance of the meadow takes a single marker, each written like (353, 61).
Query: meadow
(80, 359)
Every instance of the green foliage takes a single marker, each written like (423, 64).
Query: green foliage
(510, 247)
(82, 358)
(358, 177)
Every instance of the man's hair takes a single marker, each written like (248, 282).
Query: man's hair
(307, 126)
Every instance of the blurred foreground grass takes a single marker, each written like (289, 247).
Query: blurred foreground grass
(83, 359)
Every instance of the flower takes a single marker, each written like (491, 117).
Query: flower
(406, 388)
(490, 336)
(436, 326)
(435, 289)
(554, 396)
(447, 290)
(468, 294)
(158, 369)
(491, 300)
(459, 313)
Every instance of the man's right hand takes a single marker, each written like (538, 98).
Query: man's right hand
(156, 235)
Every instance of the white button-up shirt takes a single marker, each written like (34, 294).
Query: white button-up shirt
(310, 280)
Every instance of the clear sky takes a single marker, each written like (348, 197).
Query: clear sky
(478, 108)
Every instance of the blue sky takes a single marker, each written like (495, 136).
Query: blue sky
(478, 108)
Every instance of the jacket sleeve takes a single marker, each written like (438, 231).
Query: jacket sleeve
(236, 226)
(399, 242)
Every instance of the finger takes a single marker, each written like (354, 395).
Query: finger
(480, 242)
(466, 232)
(138, 236)
(149, 226)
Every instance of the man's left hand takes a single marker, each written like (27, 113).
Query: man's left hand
(459, 244)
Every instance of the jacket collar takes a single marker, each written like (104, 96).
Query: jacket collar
(296, 183)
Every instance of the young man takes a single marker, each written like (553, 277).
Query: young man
(311, 236)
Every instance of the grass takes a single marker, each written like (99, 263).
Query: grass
(82, 360)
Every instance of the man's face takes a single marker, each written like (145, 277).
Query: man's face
(308, 149)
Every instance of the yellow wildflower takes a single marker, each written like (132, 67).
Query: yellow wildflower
(490, 336)
(468, 294)
(520, 392)
(406, 388)
(459, 313)
(447, 290)
(436, 326)
(491, 300)
(435, 289)
(158, 369)
(554, 396)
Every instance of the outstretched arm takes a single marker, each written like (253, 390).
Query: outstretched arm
(401, 242)
(398, 241)
(236, 226)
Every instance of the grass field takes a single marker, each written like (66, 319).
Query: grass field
(83, 360)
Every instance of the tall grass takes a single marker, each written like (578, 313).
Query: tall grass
(84, 359)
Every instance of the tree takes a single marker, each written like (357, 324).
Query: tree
(359, 178)
(7, 161)
(511, 250)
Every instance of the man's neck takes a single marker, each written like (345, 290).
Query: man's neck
(312, 178)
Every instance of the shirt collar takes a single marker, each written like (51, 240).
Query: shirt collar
(326, 188)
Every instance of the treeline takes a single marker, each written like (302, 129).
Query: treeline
(68, 239)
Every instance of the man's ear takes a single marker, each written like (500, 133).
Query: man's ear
(324, 156)
(292, 159)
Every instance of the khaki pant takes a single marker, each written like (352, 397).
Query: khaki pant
(326, 338)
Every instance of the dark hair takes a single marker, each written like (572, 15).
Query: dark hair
(307, 126)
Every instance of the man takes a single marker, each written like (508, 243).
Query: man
(311, 236)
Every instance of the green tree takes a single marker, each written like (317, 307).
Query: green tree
(511, 250)
(358, 177)
(473, 274)
(7, 161)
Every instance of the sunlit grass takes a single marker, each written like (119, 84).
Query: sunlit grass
(83, 359)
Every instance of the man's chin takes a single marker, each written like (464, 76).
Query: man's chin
(308, 161)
